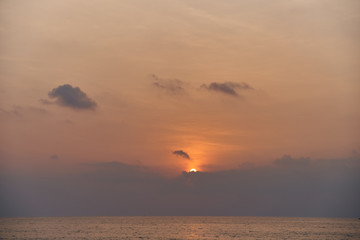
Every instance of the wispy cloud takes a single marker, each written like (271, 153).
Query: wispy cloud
(172, 86)
(15, 111)
(69, 96)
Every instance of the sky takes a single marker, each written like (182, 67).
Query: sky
(105, 106)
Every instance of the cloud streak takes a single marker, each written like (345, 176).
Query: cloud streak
(19, 111)
(181, 153)
(229, 88)
(72, 97)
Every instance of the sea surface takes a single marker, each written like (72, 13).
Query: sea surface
(179, 228)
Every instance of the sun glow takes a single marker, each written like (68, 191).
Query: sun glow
(193, 170)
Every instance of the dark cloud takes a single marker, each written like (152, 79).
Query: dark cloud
(181, 153)
(296, 187)
(69, 96)
(173, 86)
(229, 88)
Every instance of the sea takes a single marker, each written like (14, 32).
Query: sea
(179, 228)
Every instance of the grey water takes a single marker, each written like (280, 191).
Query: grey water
(179, 228)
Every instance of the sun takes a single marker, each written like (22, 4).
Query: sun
(193, 170)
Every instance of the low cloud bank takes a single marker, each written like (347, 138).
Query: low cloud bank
(298, 187)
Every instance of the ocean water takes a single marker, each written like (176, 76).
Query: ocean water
(179, 228)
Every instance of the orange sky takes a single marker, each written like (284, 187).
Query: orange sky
(149, 66)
